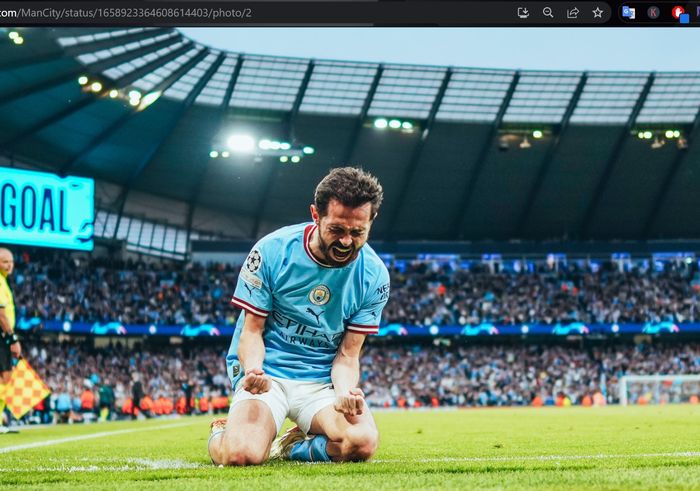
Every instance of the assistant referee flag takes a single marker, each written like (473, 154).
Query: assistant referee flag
(25, 389)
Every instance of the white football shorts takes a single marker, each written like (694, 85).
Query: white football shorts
(299, 400)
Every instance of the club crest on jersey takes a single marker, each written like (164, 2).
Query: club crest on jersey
(320, 295)
(253, 261)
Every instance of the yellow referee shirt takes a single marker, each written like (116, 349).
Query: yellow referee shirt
(7, 301)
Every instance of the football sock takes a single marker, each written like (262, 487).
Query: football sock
(214, 433)
(311, 450)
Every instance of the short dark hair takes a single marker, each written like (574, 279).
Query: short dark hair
(351, 186)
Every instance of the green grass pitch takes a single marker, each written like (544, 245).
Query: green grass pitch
(649, 447)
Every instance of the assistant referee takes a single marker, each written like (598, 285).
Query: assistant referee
(9, 344)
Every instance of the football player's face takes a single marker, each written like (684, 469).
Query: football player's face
(342, 231)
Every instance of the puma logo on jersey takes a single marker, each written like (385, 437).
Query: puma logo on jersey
(318, 316)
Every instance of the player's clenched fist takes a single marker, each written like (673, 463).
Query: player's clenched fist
(350, 404)
(255, 381)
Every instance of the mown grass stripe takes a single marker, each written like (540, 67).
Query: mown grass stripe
(101, 434)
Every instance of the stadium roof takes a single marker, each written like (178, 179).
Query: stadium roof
(477, 154)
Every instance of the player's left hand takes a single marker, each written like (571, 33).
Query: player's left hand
(16, 349)
(350, 404)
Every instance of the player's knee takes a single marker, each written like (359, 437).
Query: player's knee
(5, 377)
(367, 446)
(362, 444)
(243, 454)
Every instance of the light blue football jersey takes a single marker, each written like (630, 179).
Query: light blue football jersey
(308, 305)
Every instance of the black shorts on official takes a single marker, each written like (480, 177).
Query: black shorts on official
(5, 356)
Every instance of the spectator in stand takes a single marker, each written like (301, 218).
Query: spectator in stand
(63, 405)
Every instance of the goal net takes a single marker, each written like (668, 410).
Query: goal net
(659, 389)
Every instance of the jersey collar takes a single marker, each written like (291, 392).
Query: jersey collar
(308, 234)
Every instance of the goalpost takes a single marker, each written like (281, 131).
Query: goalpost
(658, 389)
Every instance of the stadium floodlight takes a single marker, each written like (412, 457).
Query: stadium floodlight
(669, 133)
(285, 146)
(96, 86)
(296, 159)
(114, 93)
(241, 143)
(134, 97)
(676, 134)
(213, 154)
(395, 124)
(265, 144)
(18, 40)
(537, 134)
(13, 35)
(648, 135)
(82, 80)
(225, 154)
(308, 150)
(149, 99)
(381, 123)
(407, 125)
(284, 159)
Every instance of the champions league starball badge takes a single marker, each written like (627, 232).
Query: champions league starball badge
(320, 295)
(253, 261)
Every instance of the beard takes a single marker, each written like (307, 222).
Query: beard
(334, 254)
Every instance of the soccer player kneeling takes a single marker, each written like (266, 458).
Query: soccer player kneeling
(311, 293)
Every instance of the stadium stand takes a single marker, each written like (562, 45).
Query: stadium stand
(65, 288)
(395, 375)
(450, 372)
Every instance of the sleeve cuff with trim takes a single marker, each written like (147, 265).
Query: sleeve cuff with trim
(249, 308)
(360, 329)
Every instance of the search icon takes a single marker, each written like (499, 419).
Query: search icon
(547, 12)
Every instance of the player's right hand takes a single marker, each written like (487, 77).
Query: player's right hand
(350, 404)
(256, 382)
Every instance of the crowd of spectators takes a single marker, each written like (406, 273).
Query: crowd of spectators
(66, 288)
(191, 381)
(70, 288)
(106, 381)
(89, 382)
(427, 293)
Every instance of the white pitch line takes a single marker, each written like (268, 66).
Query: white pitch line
(129, 465)
(543, 458)
(101, 434)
